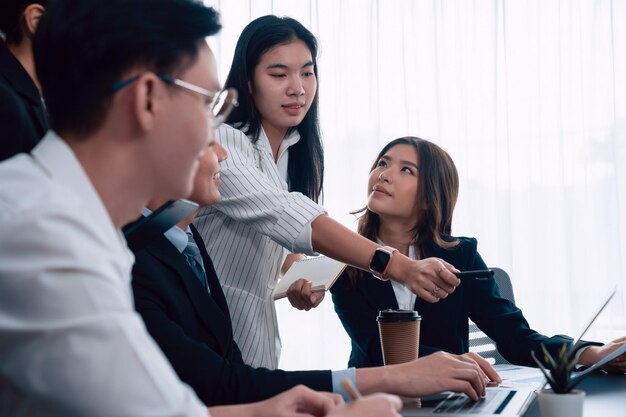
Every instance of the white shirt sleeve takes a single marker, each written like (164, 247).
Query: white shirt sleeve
(305, 238)
(250, 195)
(70, 340)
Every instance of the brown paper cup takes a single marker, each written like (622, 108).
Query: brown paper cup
(400, 339)
(399, 335)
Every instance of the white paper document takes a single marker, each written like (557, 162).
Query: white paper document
(320, 270)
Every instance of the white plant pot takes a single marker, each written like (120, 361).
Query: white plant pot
(560, 405)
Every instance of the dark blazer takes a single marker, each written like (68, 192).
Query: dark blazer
(194, 330)
(22, 115)
(444, 324)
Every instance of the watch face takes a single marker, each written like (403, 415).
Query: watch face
(380, 261)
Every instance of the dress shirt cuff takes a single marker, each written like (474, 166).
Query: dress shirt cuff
(584, 344)
(337, 376)
(298, 214)
(579, 352)
(304, 239)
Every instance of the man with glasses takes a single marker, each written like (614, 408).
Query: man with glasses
(219, 104)
(70, 341)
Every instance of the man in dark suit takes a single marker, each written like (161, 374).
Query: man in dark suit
(188, 316)
(182, 304)
(22, 114)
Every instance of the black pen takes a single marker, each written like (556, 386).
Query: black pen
(480, 274)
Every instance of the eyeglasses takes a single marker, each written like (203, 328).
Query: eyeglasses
(220, 105)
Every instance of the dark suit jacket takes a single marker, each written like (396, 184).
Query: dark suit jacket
(22, 115)
(444, 324)
(194, 330)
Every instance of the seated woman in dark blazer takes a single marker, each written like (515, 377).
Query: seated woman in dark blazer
(412, 191)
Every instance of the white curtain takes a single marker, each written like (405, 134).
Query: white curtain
(528, 97)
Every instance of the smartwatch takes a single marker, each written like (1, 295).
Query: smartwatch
(380, 261)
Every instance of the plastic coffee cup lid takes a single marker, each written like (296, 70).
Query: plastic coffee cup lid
(397, 315)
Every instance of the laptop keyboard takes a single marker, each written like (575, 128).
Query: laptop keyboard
(494, 402)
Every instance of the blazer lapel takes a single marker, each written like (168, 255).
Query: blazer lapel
(214, 284)
(210, 312)
(382, 295)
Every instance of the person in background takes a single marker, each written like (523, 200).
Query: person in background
(179, 297)
(129, 86)
(271, 185)
(411, 194)
(22, 113)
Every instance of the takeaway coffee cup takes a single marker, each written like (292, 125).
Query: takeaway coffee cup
(399, 335)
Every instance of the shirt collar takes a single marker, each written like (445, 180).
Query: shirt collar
(176, 235)
(58, 160)
(291, 139)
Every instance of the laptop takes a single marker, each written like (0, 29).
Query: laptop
(498, 401)
(512, 397)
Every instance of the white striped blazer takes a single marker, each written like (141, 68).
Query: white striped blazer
(245, 234)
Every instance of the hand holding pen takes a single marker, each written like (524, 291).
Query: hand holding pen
(478, 274)
(375, 405)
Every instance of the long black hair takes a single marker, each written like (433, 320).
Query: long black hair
(306, 158)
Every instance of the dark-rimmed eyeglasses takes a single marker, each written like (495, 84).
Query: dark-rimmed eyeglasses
(221, 103)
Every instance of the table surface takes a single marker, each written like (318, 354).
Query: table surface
(605, 396)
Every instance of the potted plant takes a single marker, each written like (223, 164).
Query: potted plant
(562, 399)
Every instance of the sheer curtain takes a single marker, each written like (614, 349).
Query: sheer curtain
(528, 97)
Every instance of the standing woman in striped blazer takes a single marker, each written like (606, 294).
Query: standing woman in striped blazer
(271, 185)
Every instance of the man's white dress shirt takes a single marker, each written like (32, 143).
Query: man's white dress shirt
(71, 343)
(245, 235)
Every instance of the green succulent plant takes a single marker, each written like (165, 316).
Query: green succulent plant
(558, 370)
